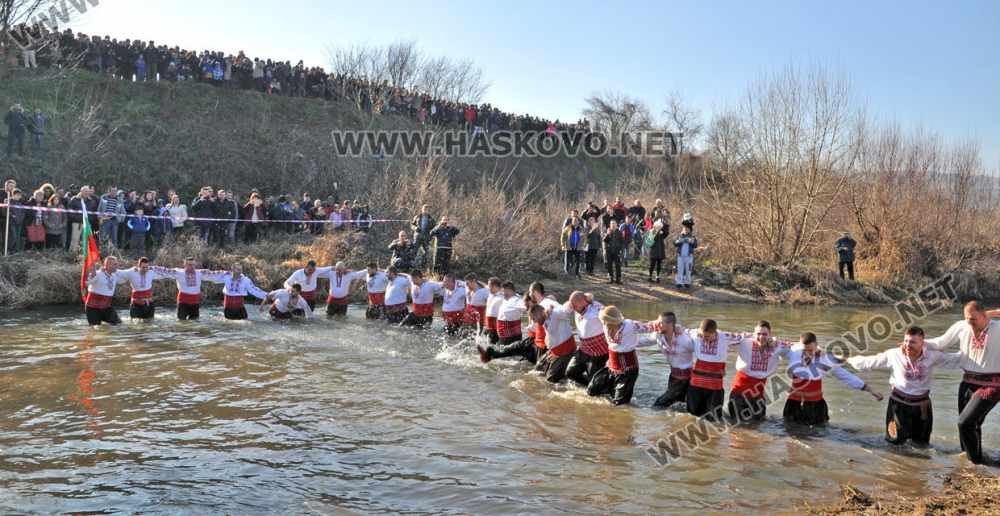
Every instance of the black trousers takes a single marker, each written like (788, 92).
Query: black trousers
(375, 312)
(396, 317)
(707, 403)
(312, 304)
(590, 260)
(235, 314)
(850, 269)
(442, 261)
(619, 385)
(334, 309)
(186, 311)
(583, 368)
(974, 403)
(573, 261)
(143, 311)
(416, 321)
(904, 422)
(553, 366)
(677, 389)
(655, 263)
(525, 349)
(493, 336)
(284, 316)
(95, 316)
(742, 408)
(613, 261)
(806, 412)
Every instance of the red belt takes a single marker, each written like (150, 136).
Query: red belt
(491, 323)
(508, 328)
(594, 346)
(392, 309)
(708, 375)
(188, 299)
(475, 314)
(748, 386)
(142, 297)
(452, 318)
(376, 298)
(540, 336)
(567, 347)
(233, 302)
(680, 374)
(337, 300)
(621, 362)
(98, 301)
(984, 379)
(309, 295)
(423, 309)
(806, 390)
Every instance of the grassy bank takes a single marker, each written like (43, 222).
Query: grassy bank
(963, 493)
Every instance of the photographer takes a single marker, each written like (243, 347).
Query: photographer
(204, 207)
(422, 225)
(445, 235)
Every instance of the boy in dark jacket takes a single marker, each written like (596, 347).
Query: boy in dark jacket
(16, 218)
(139, 225)
(613, 243)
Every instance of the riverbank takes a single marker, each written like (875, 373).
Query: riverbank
(32, 279)
(963, 493)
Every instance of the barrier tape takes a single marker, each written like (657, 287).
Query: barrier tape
(354, 222)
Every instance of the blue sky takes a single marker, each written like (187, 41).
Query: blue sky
(936, 64)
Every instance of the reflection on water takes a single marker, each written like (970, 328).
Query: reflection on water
(347, 416)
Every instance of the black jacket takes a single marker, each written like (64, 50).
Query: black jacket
(425, 228)
(613, 242)
(76, 203)
(16, 121)
(445, 236)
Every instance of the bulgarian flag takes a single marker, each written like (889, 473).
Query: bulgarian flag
(90, 252)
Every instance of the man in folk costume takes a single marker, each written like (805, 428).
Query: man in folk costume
(511, 344)
(287, 304)
(808, 366)
(141, 277)
(619, 378)
(493, 303)
(756, 361)
(340, 287)
(100, 289)
(476, 297)
(376, 283)
(422, 293)
(592, 356)
(979, 340)
(559, 341)
(705, 394)
(678, 347)
(235, 288)
(307, 278)
(189, 286)
(453, 304)
(909, 414)
(395, 296)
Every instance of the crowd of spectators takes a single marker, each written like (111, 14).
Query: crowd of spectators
(121, 219)
(135, 60)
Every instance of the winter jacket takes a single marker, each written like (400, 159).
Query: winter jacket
(613, 242)
(573, 239)
(658, 250)
(77, 203)
(138, 225)
(593, 239)
(404, 251)
(55, 222)
(445, 236)
(422, 225)
(690, 240)
(845, 248)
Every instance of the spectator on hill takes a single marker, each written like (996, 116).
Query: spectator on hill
(227, 208)
(139, 224)
(626, 229)
(422, 225)
(55, 224)
(607, 218)
(204, 207)
(178, 214)
(620, 211)
(593, 245)
(162, 228)
(83, 199)
(16, 123)
(34, 219)
(845, 253)
(574, 243)
(592, 212)
(569, 220)
(613, 243)
(112, 213)
(444, 235)
(403, 252)
(14, 218)
(140, 69)
(346, 215)
(36, 125)
(363, 222)
(657, 249)
(254, 218)
(685, 243)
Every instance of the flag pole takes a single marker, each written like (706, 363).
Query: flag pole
(6, 231)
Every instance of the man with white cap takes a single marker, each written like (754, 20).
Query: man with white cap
(622, 336)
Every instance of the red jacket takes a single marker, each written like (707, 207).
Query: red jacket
(470, 114)
(248, 212)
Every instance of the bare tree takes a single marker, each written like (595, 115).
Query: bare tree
(616, 113)
(403, 61)
(683, 118)
(468, 82)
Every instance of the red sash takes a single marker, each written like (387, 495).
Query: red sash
(621, 362)
(376, 298)
(806, 390)
(393, 309)
(423, 310)
(594, 346)
(680, 374)
(98, 301)
(308, 296)
(233, 302)
(565, 348)
(188, 299)
(748, 386)
(540, 335)
(474, 314)
(982, 379)
(337, 300)
(142, 297)
(491, 323)
(452, 318)
(508, 328)
(708, 375)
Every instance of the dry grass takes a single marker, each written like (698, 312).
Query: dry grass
(963, 494)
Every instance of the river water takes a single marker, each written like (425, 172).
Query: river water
(353, 417)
